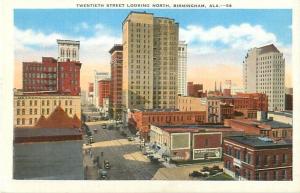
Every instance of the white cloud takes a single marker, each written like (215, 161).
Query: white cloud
(241, 36)
(81, 26)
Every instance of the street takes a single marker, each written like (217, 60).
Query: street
(127, 161)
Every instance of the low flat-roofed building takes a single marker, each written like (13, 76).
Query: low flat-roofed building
(282, 116)
(190, 142)
(51, 150)
(268, 128)
(251, 157)
(142, 119)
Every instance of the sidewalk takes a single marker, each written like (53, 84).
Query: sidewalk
(90, 171)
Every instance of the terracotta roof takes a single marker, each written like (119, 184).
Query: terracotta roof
(41, 122)
(268, 48)
(76, 121)
(58, 119)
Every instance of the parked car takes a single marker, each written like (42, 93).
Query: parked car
(104, 126)
(107, 164)
(103, 175)
(130, 138)
(196, 174)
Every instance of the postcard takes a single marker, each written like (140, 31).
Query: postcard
(154, 96)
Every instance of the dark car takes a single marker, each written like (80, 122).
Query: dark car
(106, 164)
(130, 138)
(103, 175)
(196, 174)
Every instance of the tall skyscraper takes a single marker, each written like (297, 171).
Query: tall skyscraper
(264, 72)
(97, 77)
(182, 62)
(68, 50)
(116, 64)
(150, 61)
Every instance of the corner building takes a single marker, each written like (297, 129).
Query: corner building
(150, 61)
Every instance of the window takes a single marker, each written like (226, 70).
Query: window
(43, 111)
(284, 158)
(66, 102)
(18, 111)
(70, 102)
(35, 120)
(30, 111)
(35, 111)
(18, 121)
(66, 110)
(23, 111)
(30, 102)
(35, 102)
(23, 121)
(206, 143)
(284, 174)
(70, 110)
(265, 160)
(48, 111)
(23, 103)
(30, 121)
(54, 102)
(48, 102)
(43, 102)
(18, 103)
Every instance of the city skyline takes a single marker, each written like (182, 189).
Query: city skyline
(208, 40)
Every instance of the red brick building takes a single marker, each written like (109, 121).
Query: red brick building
(289, 102)
(195, 90)
(269, 128)
(104, 91)
(52, 76)
(141, 120)
(116, 66)
(191, 142)
(257, 158)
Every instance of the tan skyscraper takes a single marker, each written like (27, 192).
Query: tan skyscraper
(150, 54)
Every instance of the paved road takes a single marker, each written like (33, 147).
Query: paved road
(128, 163)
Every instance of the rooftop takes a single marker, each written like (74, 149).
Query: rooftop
(259, 142)
(271, 123)
(282, 113)
(194, 128)
(116, 47)
(268, 48)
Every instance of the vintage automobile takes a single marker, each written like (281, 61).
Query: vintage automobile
(106, 164)
(103, 175)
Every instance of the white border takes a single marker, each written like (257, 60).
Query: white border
(6, 72)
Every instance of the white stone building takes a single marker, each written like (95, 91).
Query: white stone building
(182, 68)
(264, 72)
(98, 76)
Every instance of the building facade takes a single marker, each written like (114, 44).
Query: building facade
(268, 128)
(264, 72)
(104, 91)
(150, 61)
(116, 66)
(97, 77)
(257, 158)
(190, 142)
(195, 90)
(182, 68)
(52, 76)
(68, 50)
(141, 120)
(29, 108)
(219, 108)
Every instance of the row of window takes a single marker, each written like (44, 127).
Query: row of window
(260, 160)
(266, 175)
(44, 102)
(35, 111)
